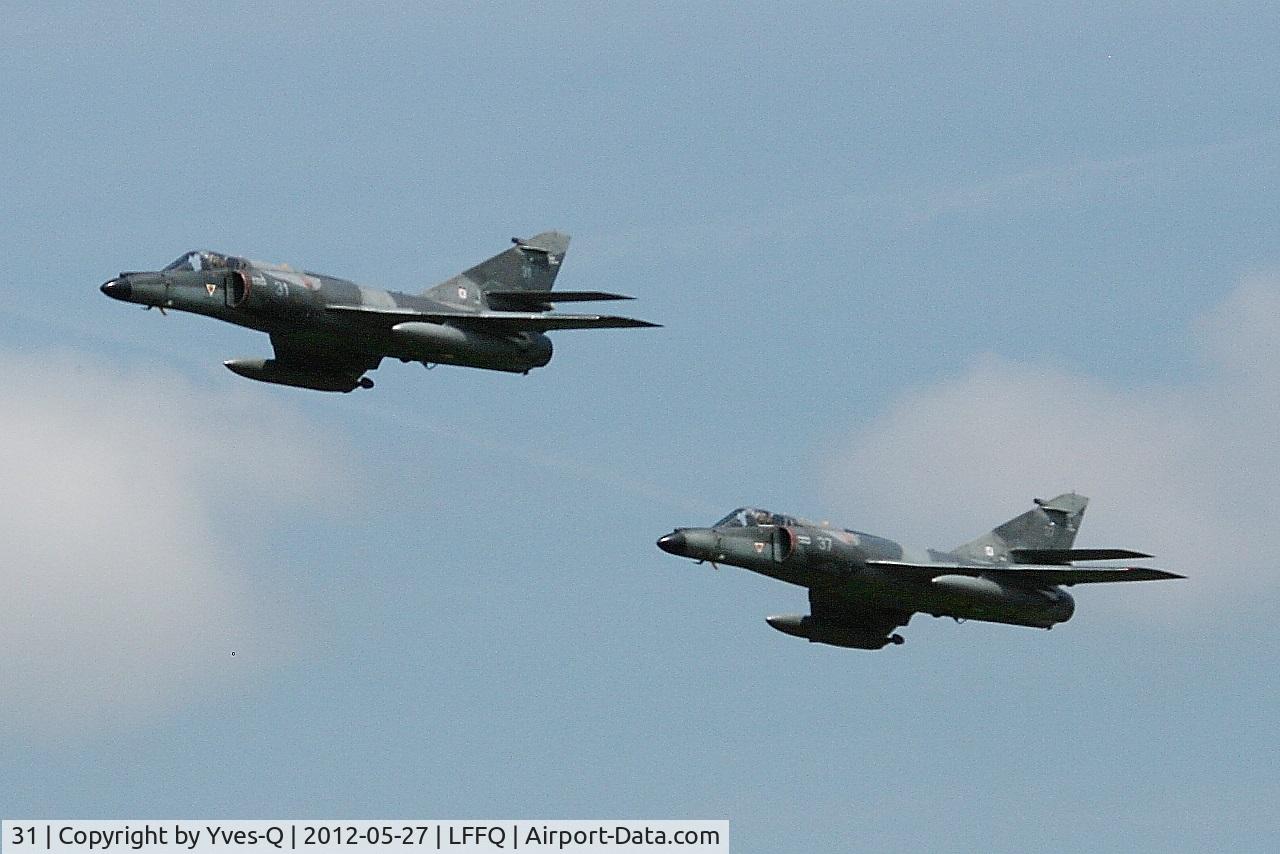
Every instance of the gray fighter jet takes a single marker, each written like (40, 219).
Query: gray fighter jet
(327, 332)
(862, 587)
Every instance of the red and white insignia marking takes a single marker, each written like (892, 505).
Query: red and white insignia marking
(462, 293)
(759, 547)
(210, 287)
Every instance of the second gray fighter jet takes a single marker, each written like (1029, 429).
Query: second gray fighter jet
(862, 587)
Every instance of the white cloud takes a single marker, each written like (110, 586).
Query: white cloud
(133, 511)
(1186, 471)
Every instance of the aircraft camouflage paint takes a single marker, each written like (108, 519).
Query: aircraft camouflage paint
(862, 587)
(327, 332)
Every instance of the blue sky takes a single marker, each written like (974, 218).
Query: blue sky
(917, 263)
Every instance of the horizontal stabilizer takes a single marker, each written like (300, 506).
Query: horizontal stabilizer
(1070, 555)
(542, 300)
(1035, 575)
(557, 296)
(548, 322)
(497, 322)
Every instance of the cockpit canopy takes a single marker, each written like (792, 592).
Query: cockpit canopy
(203, 259)
(206, 260)
(751, 517)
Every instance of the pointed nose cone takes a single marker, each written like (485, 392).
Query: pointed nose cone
(674, 543)
(118, 289)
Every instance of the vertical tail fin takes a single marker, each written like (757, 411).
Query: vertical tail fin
(1051, 525)
(530, 265)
